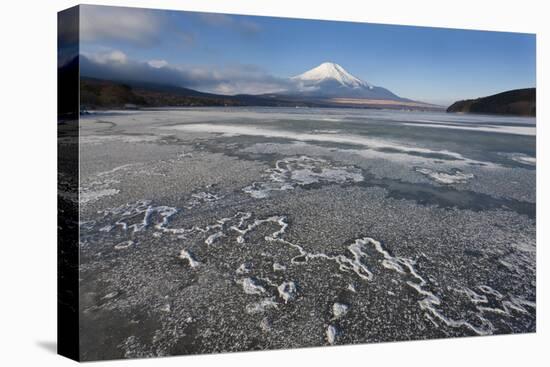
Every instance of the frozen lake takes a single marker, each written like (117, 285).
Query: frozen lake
(212, 229)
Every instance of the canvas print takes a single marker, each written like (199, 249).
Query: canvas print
(239, 183)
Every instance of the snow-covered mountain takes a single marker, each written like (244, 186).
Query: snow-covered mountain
(331, 71)
(330, 80)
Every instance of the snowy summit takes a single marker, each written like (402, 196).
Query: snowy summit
(331, 71)
(330, 80)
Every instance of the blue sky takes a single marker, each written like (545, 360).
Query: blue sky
(243, 54)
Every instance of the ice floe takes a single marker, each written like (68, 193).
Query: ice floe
(102, 139)
(251, 286)
(287, 291)
(293, 172)
(521, 158)
(261, 306)
(331, 334)
(243, 269)
(102, 185)
(188, 255)
(89, 196)
(213, 237)
(446, 178)
(339, 310)
(201, 197)
(492, 301)
(206, 196)
(278, 267)
(140, 215)
(110, 295)
(516, 130)
(124, 245)
(366, 141)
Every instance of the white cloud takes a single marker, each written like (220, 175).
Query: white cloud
(157, 63)
(233, 79)
(113, 56)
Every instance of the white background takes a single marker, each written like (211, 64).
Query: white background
(28, 181)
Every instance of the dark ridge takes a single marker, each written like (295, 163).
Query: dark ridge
(520, 102)
(102, 93)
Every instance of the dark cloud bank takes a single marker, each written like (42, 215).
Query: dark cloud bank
(234, 79)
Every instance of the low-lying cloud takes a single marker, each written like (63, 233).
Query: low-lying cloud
(229, 80)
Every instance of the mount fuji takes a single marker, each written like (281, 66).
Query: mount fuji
(327, 85)
(330, 80)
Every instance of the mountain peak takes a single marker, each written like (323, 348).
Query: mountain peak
(332, 71)
(330, 64)
(330, 80)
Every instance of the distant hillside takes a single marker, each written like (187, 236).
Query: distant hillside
(520, 102)
(100, 94)
(97, 93)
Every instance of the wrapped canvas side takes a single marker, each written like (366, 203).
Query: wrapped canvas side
(68, 176)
